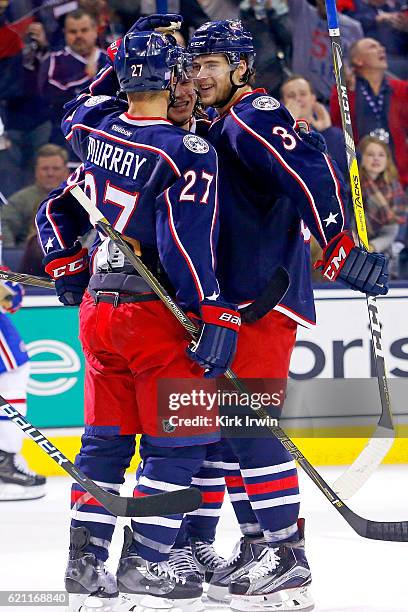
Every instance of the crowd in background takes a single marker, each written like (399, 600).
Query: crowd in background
(51, 49)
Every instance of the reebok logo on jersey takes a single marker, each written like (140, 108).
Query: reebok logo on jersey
(196, 144)
(265, 103)
(121, 130)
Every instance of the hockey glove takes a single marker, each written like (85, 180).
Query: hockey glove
(310, 137)
(11, 294)
(70, 270)
(157, 22)
(215, 347)
(358, 269)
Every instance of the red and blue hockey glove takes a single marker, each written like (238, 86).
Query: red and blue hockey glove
(157, 22)
(216, 344)
(358, 269)
(69, 268)
(310, 137)
(11, 294)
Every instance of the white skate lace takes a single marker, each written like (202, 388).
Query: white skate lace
(181, 561)
(267, 562)
(207, 555)
(21, 465)
(163, 568)
(235, 555)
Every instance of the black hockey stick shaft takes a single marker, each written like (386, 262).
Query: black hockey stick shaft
(162, 504)
(385, 424)
(26, 279)
(368, 529)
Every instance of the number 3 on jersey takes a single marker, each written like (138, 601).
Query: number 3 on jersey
(289, 141)
(125, 200)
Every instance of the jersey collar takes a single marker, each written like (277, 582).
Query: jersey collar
(259, 90)
(144, 121)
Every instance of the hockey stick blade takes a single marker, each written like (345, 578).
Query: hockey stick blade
(26, 279)
(162, 504)
(396, 532)
(273, 293)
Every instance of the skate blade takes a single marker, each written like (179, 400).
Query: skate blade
(289, 600)
(12, 492)
(149, 603)
(87, 603)
(218, 594)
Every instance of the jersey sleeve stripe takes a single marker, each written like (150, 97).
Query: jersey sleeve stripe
(287, 167)
(214, 219)
(182, 249)
(337, 189)
(104, 74)
(6, 354)
(136, 145)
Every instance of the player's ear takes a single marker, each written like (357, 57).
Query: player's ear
(239, 72)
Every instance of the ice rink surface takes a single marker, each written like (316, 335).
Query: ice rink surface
(350, 574)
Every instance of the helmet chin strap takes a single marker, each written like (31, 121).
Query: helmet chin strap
(233, 90)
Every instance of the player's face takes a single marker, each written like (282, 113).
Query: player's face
(81, 35)
(211, 74)
(297, 93)
(182, 108)
(50, 172)
(370, 55)
(374, 159)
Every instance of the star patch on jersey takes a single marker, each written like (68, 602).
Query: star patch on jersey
(94, 100)
(196, 144)
(265, 103)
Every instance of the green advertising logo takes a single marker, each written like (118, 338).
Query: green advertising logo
(57, 367)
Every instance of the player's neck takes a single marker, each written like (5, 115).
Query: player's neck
(156, 107)
(237, 94)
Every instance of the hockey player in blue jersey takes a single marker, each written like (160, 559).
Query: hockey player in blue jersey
(17, 482)
(275, 189)
(158, 185)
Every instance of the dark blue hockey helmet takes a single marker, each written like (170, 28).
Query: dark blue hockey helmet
(147, 61)
(228, 37)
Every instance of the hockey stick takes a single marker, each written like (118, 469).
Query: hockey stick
(273, 293)
(26, 279)
(375, 530)
(383, 438)
(162, 504)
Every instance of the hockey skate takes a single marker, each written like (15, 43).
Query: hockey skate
(245, 554)
(146, 585)
(279, 581)
(17, 482)
(90, 586)
(206, 558)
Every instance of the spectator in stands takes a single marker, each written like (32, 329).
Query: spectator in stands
(298, 96)
(64, 73)
(385, 203)
(388, 24)
(216, 10)
(378, 103)
(312, 56)
(50, 170)
(269, 23)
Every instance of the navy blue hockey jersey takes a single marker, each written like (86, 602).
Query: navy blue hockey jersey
(275, 190)
(152, 181)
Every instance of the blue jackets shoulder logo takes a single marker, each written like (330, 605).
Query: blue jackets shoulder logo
(196, 144)
(94, 100)
(265, 103)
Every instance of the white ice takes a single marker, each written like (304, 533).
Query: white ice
(350, 574)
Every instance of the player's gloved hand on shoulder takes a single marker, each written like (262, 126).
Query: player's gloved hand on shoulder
(310, 137)
(69, 268)
(157, 22)
(216, 343)
(358, 269)
(11, 294)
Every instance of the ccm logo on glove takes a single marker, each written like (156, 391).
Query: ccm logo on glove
(338, 257)
(68, 265)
